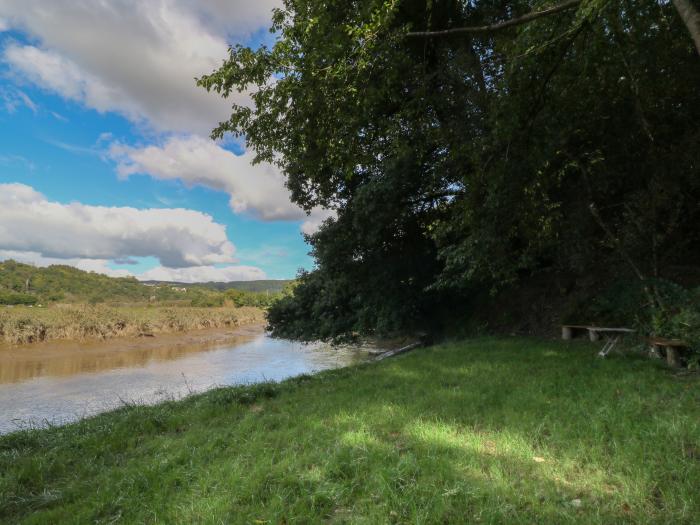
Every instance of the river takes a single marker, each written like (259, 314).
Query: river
(59, 382)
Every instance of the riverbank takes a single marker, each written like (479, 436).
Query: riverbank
(490, 430)
(22, 325)
(67, 358)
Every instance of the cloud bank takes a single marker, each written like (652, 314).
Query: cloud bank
(258, 190)
(133, 57)
(177, 237)
(139, 59)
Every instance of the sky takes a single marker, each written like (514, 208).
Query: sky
(105, 158)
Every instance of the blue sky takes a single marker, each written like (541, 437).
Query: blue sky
(105, 160)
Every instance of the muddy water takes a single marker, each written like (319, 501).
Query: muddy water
(61, 382)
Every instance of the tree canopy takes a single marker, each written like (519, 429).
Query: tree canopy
(557, 139)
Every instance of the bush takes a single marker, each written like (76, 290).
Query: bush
(678, 316)
(16, 298)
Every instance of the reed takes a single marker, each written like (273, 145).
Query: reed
(20, 325)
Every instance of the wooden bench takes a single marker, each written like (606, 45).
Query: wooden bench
(673, 349)
(569, 331)
(596, 333)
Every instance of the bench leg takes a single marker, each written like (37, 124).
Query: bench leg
(594, 336)
(566, 333)
(609, 345)
(655, 352)
(673, 357)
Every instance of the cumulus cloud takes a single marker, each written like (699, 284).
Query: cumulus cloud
(139, 59)
(203, 274)
(177, 237)
(133, 57)
(52, 71)
(258, 190)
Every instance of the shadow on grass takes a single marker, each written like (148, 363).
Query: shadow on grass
(493, 431)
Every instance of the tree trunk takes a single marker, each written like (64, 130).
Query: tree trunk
(691, 18)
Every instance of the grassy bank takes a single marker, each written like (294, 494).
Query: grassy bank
(484, 431)
(27, 325)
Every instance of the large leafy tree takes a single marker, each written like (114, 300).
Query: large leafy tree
(469, 144)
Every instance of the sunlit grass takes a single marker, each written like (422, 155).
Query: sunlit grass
(484, 431)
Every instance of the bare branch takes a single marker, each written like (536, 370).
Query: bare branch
(691, 18)
(569, 4)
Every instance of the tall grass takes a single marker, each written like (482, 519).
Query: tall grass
(26, 325)
(485, 431)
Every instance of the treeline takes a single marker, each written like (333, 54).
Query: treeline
(261, 286)
(24, 284)
(491, 164)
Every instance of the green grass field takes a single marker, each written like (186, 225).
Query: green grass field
(481, 431)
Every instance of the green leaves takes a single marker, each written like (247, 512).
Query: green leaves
(472, 161)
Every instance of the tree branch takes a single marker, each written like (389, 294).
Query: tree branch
(568, 4)
(691, 18)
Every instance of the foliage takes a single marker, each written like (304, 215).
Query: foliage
(27, 284)
(239, 297)
(472, 162)
(625, 303)
(449, 434)
(12, 298)
(678, 317)
(263, 286)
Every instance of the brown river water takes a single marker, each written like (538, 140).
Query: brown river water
(59, 382)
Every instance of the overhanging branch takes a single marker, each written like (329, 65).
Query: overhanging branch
(569, 4)
(691, 18)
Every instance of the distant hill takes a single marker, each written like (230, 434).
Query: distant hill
(272, 286)
(26, 284)
(65, 283)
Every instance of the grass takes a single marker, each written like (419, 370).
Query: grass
(27, 325)
(482, 431)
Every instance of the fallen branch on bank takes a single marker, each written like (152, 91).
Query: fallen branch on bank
(402, 350)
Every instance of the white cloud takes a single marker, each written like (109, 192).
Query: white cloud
(140, 59)
(203, 274)
(14, 98)
(133, 57)
(195, 274)
(4, 25)
(177, 237)
(52, 71)
(258, 190)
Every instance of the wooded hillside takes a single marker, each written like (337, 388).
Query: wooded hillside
(27, 284)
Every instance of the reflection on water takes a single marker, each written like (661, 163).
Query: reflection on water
(63, 382)
(66, 358)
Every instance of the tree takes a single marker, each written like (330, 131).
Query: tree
(471, 161)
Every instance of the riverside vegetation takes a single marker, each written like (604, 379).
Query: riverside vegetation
(29, 285)
(24, 325)
(488, 162)
(61, 302)
(491, 430)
